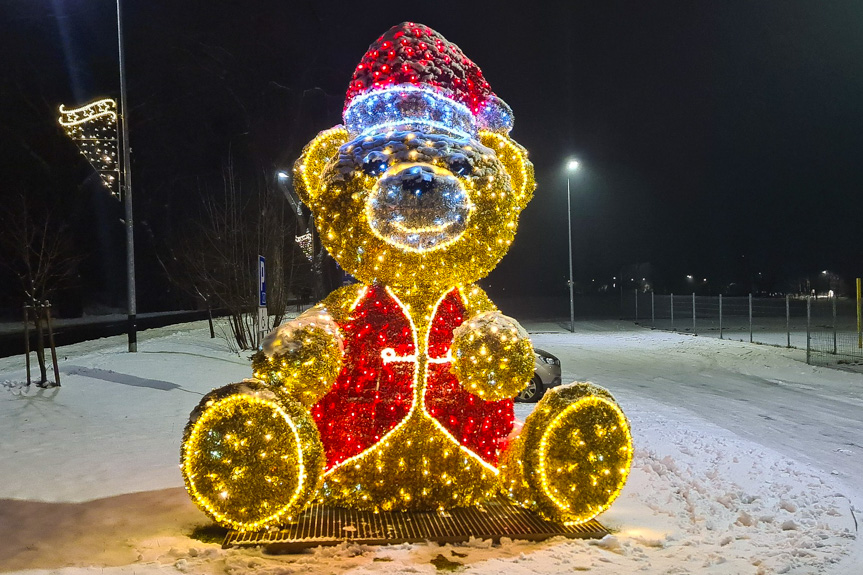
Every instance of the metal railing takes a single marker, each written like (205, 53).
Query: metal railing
(826, 327)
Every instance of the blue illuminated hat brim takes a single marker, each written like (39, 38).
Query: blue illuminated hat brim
(408, 107)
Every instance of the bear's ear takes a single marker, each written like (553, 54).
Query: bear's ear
(514, 159)
(309, 168)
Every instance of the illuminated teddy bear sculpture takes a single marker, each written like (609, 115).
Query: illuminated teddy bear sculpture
(396, 393)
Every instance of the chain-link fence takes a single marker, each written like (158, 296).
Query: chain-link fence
(826, 327)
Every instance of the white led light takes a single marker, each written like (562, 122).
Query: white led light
(408, 107)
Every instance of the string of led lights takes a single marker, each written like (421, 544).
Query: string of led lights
(573, 455)
(250, 459)
(305, 243)
(408, 377)
(93, 128)
(408, 107)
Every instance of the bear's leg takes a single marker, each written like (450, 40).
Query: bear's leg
(251, 459)
(572, 457)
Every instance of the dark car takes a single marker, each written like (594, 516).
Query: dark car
(546, 374)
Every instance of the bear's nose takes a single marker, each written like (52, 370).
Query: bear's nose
(418, 180)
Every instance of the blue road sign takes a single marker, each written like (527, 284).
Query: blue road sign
(262, 282)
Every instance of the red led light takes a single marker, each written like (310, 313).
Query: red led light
(371, 397)
(445, 68)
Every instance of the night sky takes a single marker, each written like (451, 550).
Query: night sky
(719, 139)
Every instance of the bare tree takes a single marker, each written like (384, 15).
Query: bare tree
(38, 251)
(216, 260)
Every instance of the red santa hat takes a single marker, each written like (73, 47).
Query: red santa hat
(412, 76)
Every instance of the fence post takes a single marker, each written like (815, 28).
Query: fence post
(834, 323)
(693, 314)
(720, 316)
(636, 305)
(808, 328)
(750, 318)
(672, 312)
(859, 331)
(788, 319)
(27, 340)
(652, 311)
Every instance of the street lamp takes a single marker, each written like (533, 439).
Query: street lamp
(571, 166)
(127, 190)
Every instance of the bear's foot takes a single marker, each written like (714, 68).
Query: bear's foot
(573, 456)
(251, 460)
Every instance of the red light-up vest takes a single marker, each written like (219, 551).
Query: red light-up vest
(375, 389)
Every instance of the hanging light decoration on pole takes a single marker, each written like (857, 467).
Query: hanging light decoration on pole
(94, 129)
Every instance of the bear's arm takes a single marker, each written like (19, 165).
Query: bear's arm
(475, 300)
(493, 357)
(303, 356)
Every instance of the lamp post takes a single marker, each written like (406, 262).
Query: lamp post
(127, 193)
(571, 166)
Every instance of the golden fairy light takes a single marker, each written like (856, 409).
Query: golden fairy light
(93, 128)
(301, 358)
(250, 460)
(396, 393)
(573, 456)
(493, 356)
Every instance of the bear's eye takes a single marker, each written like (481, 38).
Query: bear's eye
(375, 163)
(460, 165)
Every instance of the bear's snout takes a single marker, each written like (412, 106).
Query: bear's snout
(419, 206)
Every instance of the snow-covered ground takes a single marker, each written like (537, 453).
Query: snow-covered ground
(747, 461)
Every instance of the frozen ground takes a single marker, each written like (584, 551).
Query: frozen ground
(747, 461)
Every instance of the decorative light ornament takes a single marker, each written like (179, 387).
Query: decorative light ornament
(408, 107)
(493, 356)
(300, 359)
(250, 459)
(408, 377)
(405, 212)
(573, 455)
(305, 243)
(93, 128)
(414, 54)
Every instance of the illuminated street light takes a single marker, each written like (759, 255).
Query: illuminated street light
(305, 234)
(571, 166)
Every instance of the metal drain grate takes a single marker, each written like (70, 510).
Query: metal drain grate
(322, 525)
